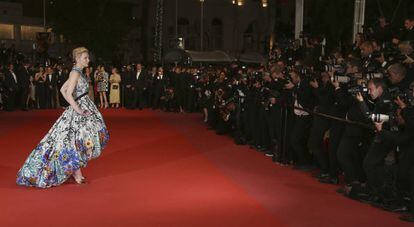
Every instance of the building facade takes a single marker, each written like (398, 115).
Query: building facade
(226, 25)
(21, 30)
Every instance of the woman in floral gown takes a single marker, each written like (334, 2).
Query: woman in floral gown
(78, 136)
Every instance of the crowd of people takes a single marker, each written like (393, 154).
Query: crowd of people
(347, 113)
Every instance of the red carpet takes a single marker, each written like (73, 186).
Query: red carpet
(163, 169)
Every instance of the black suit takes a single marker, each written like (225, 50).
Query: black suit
(51, 85)
(160, 83)
(11, 89)
(139, 82)
(304, 97)
(326, 98)
(129, 88)
(23, 75)
(61, 78)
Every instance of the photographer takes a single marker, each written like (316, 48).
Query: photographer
(354, 140)
(324, 91)
(374, 163)
(339, 108)
(404, 139)
(370, 64)
(303, 98)
(407, 55)
(398, 77)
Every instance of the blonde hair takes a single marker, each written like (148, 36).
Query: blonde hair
(77, 52)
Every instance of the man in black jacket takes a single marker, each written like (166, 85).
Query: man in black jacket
(11, 87)
(408, 33)
(404, 139)
(61, 78)
(51, 88)
(23, 75)
(325, 94)
(374, 160)
(303, 98)
(139, 82)
(160, 83)
(398, 77)
(129, 87)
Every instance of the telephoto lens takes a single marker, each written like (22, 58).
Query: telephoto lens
(380, 118)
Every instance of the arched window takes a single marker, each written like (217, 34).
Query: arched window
(217, 33)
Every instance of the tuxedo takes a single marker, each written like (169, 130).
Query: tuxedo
(11, 87)
(140, 84)
(51, 89)
(150, 88)
(160, 83)
(61, 78)
(129, 88)
(23, 75)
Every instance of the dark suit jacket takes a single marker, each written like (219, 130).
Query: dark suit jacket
(141, 82)
(23, 77)
(52, 82)
(60, 79)
(304, 94)
(160, 84)
(9, 82)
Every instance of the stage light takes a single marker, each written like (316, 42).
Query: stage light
(240, 2)
(264, 3)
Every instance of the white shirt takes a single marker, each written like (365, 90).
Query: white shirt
(14, 76)
(138, 74)
(50, 77)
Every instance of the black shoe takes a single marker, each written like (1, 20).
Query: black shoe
(396, 209)
(321, 175)
(258, 148)
(329, 180)
(341, 190)
(369, 199)
(407, 218)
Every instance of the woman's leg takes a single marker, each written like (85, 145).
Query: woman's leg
(100, 100)
(205, 114)
(105, 99)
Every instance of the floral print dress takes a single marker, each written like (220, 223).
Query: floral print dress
(72, 141)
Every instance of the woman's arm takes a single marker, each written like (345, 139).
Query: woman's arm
(67, 91)
(112, 79)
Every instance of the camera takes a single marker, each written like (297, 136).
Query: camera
(372, 75)
(363, 89)
(382, 117)
(405, 96)
(339, 69)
